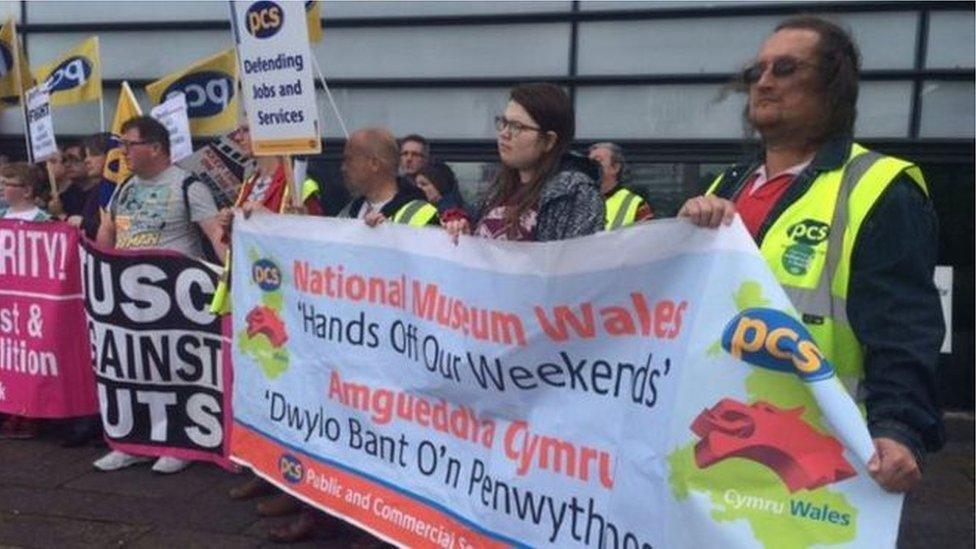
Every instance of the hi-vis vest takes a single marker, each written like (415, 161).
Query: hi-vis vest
(621, 208)
(416, 213)
(809, 249)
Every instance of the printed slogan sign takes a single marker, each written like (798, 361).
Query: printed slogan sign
(45, 361)
(159, 353)
(276, 76)
(565, 394)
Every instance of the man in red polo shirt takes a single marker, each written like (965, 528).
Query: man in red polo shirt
(849, 233)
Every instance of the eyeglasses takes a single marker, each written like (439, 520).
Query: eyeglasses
(130, 144)
(73, 160)
(512, 127)
(781, 68)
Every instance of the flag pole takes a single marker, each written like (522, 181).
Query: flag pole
(101, 112)
(328, 94)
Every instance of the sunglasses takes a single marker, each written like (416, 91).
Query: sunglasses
(781, 67)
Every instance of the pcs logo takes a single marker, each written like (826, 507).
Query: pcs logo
(266, 275)
(207, 93)
(264, 19)
(71, 73)
(809, 232)
(291, 468)
(774, 340)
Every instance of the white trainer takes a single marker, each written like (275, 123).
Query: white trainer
(116, 460)
(169, 465)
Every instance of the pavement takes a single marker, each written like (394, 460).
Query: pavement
(52, 497)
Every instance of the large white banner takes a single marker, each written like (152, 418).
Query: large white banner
(649, 387)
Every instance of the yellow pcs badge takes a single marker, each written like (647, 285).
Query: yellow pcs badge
(210, 86)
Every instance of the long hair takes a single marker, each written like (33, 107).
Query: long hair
(839, 64)
(551, 109)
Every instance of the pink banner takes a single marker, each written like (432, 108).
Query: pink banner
(45, 358)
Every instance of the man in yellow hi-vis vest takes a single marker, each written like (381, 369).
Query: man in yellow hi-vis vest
(624, 206)
(369, 166)
(850, 234)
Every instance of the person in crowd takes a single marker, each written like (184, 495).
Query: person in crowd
(42, 198)
(850, 233)
(72, 189)
(265, 190)
(83, 430)
(87, 218)
(369, 168)
(160, 207)
(414, 155)
(21, 186)
(624, 206)
(543, 192)
(438, 183)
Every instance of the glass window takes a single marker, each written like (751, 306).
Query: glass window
(952, 40)
(657, 112)
(886, 40)
(723, 44)
(947, 110)
(83, 118)
(9, 8)
(403, 52)
(136, 54)
(435, 113)
(670, 45)
(883, 109)
(103, 12)
(400, 9)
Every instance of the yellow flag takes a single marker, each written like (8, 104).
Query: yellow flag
(210, 86)
(75, 77)
(15, 76)
(313, 16)
(116, 170)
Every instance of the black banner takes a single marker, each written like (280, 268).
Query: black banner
(158, 352)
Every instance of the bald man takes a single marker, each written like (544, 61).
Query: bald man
(369, 167)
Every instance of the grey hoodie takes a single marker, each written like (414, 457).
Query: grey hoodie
(570, 204)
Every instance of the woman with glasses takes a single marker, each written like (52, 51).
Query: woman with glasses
(543, 192)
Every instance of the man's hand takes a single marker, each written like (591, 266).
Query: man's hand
(893, 466)
(708, 211)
